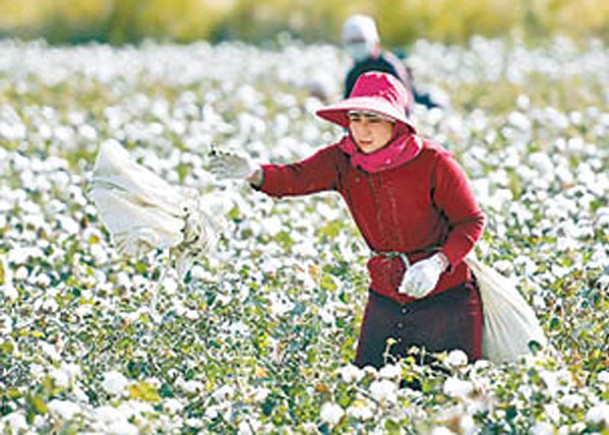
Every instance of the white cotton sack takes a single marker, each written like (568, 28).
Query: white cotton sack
(143, 212)
(510, 324)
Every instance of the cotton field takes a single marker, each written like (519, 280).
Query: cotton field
(258, 337)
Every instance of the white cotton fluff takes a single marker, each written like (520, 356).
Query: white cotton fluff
(14, 422)
(390, 371)
(384, 390)
(456, 358)
(351, 373)
(64, 408)
(599, 414)
(458, 388)
(115, 383)
(6, 281)
(331, 413)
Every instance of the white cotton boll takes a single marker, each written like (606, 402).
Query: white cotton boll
(23, 255)
(271, 225)
(457, 358)
(60, 378)
(64, 408)
(572, 401)
(543, 164)
(305, 248)
(500, 199)
(194, 423)
(6, 324)
(551, 381)
(523, 101)
(134, 408)
(244, 429)
(519, 120)
(525, 264)
(603, 377)
(384, 390)
(575, 144)
(361, 410)
(481, 189)
(553, 412)
(122, 427)
(87, 132)
(14, 422)
(457, 388)
(564, 174)
(173, 406)
(223, 393)
(191, 386)
(69, 225)
(7, 286)
(260, 394)
(599, 415)
(99, 254)
(331, 413)
(123, 280)
(50, 306)
(351, 373)
(49, 350)
(390, 371)
(561, 271)
(280, 305)
(442, 430)
(212, 412)
(115, 383)
(170, 286)
(21, 274)
(327, 212)
(192, 315)
(542, 428)
(42, 280)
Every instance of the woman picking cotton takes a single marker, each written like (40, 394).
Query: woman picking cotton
(411, 202)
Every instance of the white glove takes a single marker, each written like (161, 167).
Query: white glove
(230, 166)
(422, 277)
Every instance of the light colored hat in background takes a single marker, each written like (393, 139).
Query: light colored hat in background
(360, 27)
(360, 37)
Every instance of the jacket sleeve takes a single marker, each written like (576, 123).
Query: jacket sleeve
(315, 174)
(453, 196)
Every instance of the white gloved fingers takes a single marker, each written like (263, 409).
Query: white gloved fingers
(421, 278)
(228, 165)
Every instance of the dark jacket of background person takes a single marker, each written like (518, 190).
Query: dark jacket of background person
(362, 41)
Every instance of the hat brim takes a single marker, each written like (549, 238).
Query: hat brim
(337, 113)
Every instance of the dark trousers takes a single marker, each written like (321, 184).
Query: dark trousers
(447, 321)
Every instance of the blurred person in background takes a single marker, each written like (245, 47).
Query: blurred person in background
(362, 42)
(411, 202)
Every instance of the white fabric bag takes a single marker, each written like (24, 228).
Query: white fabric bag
(510, 324)
(142, 212)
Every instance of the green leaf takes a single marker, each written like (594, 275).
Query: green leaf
(37, 403)
(7, 347)
(145, 392)
(327, 283)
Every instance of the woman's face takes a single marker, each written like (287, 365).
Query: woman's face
(370, 131)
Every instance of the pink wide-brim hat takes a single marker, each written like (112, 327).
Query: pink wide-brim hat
(374, 92)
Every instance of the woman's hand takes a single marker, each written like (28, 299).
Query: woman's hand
(231, 166)
(422, 277)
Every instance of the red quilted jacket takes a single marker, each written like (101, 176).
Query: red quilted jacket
(417, 208)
